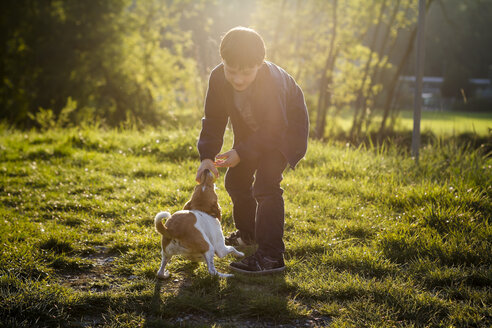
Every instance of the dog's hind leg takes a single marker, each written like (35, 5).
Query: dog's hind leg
(224, 250)
(229, 249)
(221, 249)
(163, 273)
(209, 259)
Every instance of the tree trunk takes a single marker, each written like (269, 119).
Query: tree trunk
(377, 69)
(324, 98)
(297, 41)
(278, 29)
(394, 81)
(359, 113)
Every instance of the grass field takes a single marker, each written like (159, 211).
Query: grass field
(372, 239)
(442, 123)
(450, 123)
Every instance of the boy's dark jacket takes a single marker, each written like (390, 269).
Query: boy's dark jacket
(278, 106)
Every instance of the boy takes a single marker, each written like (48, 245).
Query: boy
(270, 123)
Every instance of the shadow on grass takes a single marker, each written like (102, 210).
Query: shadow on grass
(203, 300)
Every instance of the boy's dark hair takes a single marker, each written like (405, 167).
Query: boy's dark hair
(242, 47)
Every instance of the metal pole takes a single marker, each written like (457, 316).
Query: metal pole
(419, 70)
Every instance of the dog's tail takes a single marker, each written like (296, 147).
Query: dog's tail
(159, 226)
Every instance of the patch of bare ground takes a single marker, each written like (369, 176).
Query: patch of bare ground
(98, 278)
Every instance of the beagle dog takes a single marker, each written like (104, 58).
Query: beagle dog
(195, 231)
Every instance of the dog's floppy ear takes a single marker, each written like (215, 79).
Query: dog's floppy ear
(215, 211)
(187, 205)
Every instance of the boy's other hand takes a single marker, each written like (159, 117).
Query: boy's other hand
(206, 164)
(228, 159)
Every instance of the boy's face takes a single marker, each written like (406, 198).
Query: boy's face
(240, 79)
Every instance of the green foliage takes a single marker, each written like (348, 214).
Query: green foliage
(131, 64)
(372, 239)
(104, 55)
(46, 119)
(300, 39)
(456, 38)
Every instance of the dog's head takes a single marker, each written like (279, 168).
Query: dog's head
(204, 197)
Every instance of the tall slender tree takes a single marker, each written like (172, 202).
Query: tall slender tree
(360, 103)
(325, 84)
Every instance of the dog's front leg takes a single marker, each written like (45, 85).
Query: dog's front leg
(163, 273)
(225, 250)
(209, 259)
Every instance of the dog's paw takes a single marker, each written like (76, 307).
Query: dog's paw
(163, 275)
(239, 254)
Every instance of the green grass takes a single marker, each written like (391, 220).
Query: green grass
(441, 123)
(372, 239)
(450, 123)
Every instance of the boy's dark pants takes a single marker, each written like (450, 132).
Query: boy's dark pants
(259, 196)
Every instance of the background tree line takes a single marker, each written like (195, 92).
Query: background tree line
(144, 62)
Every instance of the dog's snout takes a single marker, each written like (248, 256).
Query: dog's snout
(207, 177)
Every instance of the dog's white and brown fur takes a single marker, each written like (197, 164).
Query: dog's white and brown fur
(195, 231)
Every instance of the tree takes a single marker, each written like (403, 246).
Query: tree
(394, 80)
(117, 59)
(333, 49)
(325, 84)
(360, 104)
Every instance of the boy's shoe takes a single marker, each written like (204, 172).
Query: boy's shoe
(259, 264)
(235, 239)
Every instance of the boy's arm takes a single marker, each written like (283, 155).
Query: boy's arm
(298, 132)
(213, 123)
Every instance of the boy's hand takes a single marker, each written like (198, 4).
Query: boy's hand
(206, 164)
(228, 159)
